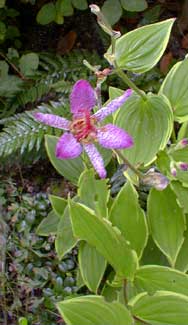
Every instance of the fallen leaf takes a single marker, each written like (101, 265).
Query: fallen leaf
(66, 43)
(165, 62)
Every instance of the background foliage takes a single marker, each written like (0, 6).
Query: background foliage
(43, 45)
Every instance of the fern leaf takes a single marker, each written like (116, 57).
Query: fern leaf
(22, 133)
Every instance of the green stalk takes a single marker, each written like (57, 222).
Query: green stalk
(125, 160)
(131, 84)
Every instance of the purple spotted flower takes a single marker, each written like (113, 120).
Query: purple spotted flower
(82, 132)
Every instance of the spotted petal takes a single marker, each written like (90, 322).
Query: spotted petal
(112, 106)
(53, 120)
(82, 98)
(96, 159)
(112, 137)
(68, 147)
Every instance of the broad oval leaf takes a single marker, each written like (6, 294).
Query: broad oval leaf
(167, 222)
(92, 266)
(64, 7)
(161, 308)
(175, 88)
(140, 49)
(134, 5)
(46, 14)
(80, 4)
(28, 63)
(94, 310)
(108, 11)
(107, 239)
(149, 123)
(71, 169)
(127, 215)
(152, 278)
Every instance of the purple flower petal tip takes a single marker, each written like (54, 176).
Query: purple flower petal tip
(113, 137)
(52, 120)
(112, 106)
(103, 174)
(128, 92)
(67, 147)
(96, 159)
(82, 97)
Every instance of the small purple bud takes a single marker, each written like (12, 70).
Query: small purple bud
(173, 171)
(156, 180)
(182, 166)
(184, 142)
(181, 144)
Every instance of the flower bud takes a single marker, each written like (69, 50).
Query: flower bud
(156, 180)
(103, 22)
(182, 166)
(181, 144)
(173, 169)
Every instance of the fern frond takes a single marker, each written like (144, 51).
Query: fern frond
(22, 133)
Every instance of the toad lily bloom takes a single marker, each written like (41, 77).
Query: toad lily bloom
(82, 131)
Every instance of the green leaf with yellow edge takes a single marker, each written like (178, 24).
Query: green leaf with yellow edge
(58, 204)
(182, 259)
(175, 87)
(152, 278)
(107, 239)
(167, 222)
(94, 192)
(48, 225)
(65, 240)
(183, 131)
(127, 215)
(161, 308)
(140, 50)
(150, 124)
(180, 154)
(94, 310)
(71, 169)
(181, 193)
(92, 266)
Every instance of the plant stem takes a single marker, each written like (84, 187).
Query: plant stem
(125, 160)
(125, 291)
(131, 84)
(113, 42)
